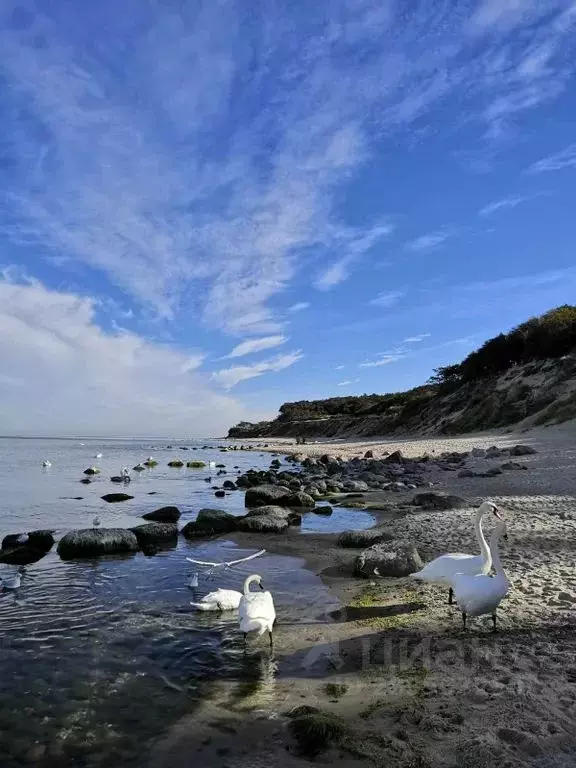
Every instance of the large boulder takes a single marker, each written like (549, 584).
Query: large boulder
(438, 501)
(25, 548)
(113, 498)
(216, 519)
(268, 523)
(362, 539)
(94, 542)
(154, 533)
(355, 485)
(323, 509)
(298, 499)
(261, 495)
(390, 559)
(522, 450)
(196, 530)
(163, 515)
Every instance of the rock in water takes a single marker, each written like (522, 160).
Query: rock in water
(263, 524)
(24, 549)
(323, 509)
(176, 463)
(298, 499)
(92, 471)
(112, 498)
(220, 494)
(216, 519)
(153, 533)
(392, 559)
(94, 542)
(195, 464)
(261, 495)
(163, 515)
(196, 530)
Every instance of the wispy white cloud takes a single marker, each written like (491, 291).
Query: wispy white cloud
(63, 374)
(566, 158)
(230, 377)
(355, 245)
(250, 346)
(499, 205)
(416, 339)
(339, 367)
(206, 193)
(348, 382)
(299, 306)
(386, 360)
(431, 240)
(387, 299)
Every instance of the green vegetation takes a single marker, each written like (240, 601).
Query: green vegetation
(316, 732)
(459, 389)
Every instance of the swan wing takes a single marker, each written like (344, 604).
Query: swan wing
(219, 600)
(446, 566)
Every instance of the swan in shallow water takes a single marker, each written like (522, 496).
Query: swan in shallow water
(481, 594)
(256, 610)
(13, 581)
(46, 463)
(441, 570)
(219, 600)
(98, 456)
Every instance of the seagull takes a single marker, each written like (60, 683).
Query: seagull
(98, 456)
(46, 463)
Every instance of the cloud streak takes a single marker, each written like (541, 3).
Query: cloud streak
(228, 378)
(566, 158)
(251, 346)
(205, 177)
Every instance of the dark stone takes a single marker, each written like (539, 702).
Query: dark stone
(438, 501)
(86, 480)
(466, 473)
(361, 539)
(369, 455)
(163, 515)
(93, 542)
(513, 465)
(41, 540)
(219, 494)
(177, 463)
(112, 498)
(393, 559)
(270, 523)
(152, 533)
(91, 471)
(522, 450)
(195, 530)
(261, 495)
(229, 485)
(298, 499)
(394, 458)
(323, 509)
(216, 519)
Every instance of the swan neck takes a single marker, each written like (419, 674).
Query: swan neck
(484, 548)
(494, 540)
(249, 581)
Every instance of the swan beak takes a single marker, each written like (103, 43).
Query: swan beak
(498, 515)
(261, 586)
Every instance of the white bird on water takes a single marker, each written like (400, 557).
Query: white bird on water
(98, 456)
(219, 600)
(193, 583)
(441, 570)
(13, 581)
(482, 594)
(256, 611)
(46, 463)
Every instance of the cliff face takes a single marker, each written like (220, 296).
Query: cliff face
(537, 393)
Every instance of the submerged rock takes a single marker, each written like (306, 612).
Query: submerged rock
(196, 464)
(153, 533)
(177, 463)
(513, 465)
(391, 559)
(163, 515)
(112, 498)
(323, 509)
(94, 542)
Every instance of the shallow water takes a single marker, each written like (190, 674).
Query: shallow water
(100, 657)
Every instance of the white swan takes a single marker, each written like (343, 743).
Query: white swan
(123, 477)
(46, 463)
(14, 581)
(256, 610)
(220, 600)
(481, 594)
(98, 456)
(441, 570)
(212, 464)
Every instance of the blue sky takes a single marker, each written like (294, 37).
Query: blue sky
(209, 208)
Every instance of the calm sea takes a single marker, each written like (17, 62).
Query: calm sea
(99, 658)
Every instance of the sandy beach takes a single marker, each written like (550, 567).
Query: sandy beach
(411, 687)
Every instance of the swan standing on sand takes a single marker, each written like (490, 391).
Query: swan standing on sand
(220, 600)
(256, 610)
(441, 570)
(482, 594)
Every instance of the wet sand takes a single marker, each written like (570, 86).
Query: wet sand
(413, 688)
